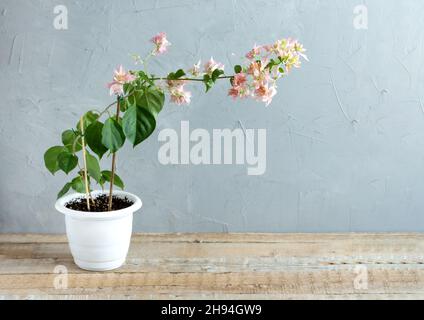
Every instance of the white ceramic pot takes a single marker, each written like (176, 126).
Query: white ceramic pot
(99, 241)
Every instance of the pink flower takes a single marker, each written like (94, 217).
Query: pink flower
(240, 79)
(180, 97)
(263, 80)
(161, 43)
(239, 92)
(116, 89)
(267, 48)
(255, 69)
(176, 90)
(233, 92)
(254, 53)
(240, 88)
(265, 65)
(195, 70)
(265, 93)
(120, 78)
(212, 65)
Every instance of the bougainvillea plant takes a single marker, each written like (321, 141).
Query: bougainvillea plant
(140, 97)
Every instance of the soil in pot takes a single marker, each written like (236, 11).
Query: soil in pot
(100, 203)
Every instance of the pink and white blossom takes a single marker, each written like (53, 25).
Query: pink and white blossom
(254, 53)
(178, 93)
(266, 64)
(300, 50)
(257, 78)
(240, 87)
(255, 69)
(195, 70)
(267, 48)
(239, 79)
(181, 97)
(161, 43)
(120, 78)
(265, 93)
(212, 65)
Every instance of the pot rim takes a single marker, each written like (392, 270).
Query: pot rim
(110, 215)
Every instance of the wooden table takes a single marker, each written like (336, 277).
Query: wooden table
(222, 266)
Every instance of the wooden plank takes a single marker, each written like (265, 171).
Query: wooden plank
(148, 250)
(271, 266)
(381, 281)
(228, 237)
(166, 294)
(337, 284)
(174, 265)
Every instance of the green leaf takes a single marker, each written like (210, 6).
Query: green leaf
(180, 73)
(64, 190)
(131, 99)
(88, 119)
(238, 69)
(123, 105)
(152, 99)
(138, 124)
(142, 75)
(67, 161)
(216, 74)
(208, 82)
(93, 167)
(68, 137)
(117, 181)
(176, 75)
(128, 87)
(93, 137)
(68, 140)
(50, 158)
(113, 137)
(78, 185)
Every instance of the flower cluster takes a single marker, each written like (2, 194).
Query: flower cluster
(140, 99)
(177, 92)
(209, 68)
(212, 65)
(257, 78)
(161, 44)
(120, 78)
(175, 88)
(265, 65)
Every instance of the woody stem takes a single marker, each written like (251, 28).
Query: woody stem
(112, 176)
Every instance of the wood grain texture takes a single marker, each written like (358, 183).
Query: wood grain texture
(222, 266)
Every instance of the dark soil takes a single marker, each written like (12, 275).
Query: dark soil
(99, 204)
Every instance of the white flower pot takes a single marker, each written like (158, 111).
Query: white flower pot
(99, 241)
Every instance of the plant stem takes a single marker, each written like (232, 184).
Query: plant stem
(192, 79)
(87, 189)
(164, 79)
(112, 177)
(107, 109)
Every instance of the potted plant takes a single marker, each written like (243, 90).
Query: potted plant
(99, 223)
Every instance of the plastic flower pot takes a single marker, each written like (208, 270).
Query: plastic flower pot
(99, 241)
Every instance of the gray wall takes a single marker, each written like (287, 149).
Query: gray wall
(345, 134)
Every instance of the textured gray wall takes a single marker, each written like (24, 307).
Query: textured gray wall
(345, 134)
